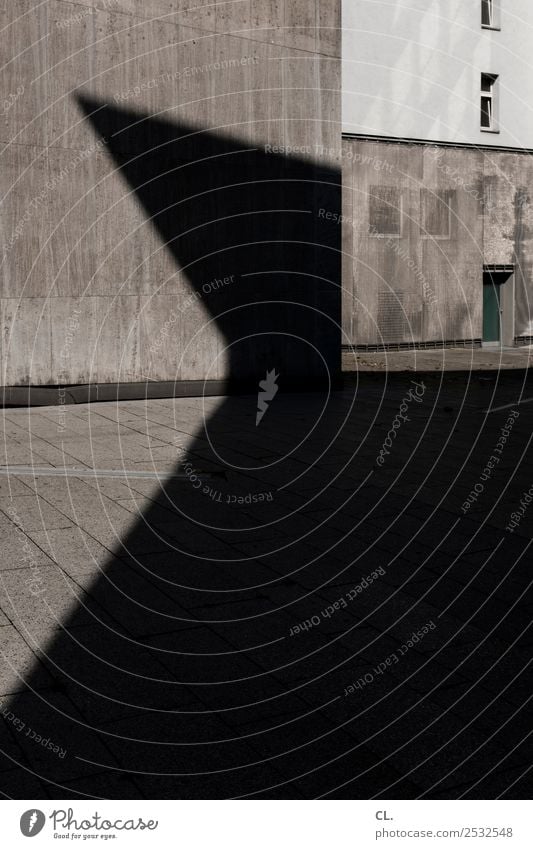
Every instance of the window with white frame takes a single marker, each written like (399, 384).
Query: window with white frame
(489, 103)
(490, 14)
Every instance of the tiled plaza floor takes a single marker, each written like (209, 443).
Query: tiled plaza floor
(307, 608)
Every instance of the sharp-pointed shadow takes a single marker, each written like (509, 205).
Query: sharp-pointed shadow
(201, 663)
(225, 208)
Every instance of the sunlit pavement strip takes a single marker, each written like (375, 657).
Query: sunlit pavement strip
(477, 360)
(38, 471)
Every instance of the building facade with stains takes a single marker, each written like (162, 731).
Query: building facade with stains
(161, 160)
(437, 173)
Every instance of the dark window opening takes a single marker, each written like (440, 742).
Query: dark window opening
(490, 14)
(488, 101)
(385, 211)
(436, 209)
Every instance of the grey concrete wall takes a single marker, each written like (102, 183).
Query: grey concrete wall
(419, 223)
(87, 282)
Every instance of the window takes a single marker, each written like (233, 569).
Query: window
(490, 14)
(385, 211)
(436, 208)
(489, 103)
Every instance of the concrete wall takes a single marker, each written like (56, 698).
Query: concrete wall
(419, 223)
(411, 69)
(90, 290)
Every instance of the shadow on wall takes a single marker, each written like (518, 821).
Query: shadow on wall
(227, 210)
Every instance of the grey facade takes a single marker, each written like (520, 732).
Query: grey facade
(422, 225)
(99, 97)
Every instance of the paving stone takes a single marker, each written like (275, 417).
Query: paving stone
(103, 785)
(74, 550)
(18, 550)
(20, 664)
(52, 722)
(22, 783)
(33, 513)
(38, 603)
(11, 486)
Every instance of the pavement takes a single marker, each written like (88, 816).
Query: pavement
(334, 602)
(440, 359)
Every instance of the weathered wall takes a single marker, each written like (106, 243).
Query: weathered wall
(88, 282)
(419, 223)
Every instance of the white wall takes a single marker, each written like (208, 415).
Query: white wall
(411, 69)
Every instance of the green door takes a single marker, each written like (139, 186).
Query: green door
(491, 311)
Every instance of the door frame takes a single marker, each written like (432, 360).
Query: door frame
(507, 306)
